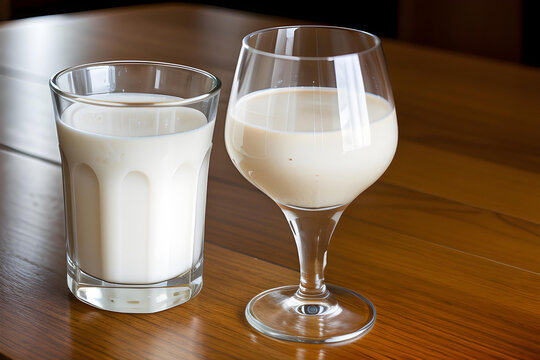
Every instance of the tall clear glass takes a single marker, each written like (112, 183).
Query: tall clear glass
(135, 140)
(311, 123)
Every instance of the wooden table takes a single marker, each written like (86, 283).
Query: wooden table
(446, 244)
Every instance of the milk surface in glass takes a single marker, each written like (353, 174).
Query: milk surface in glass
(135, 181)
(294, 145)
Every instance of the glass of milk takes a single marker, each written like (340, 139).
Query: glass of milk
(311, 123)
(135, 140)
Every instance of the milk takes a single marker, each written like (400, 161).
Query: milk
(135, 201)
(286, 142)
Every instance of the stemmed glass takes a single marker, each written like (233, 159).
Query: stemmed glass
(311, 123)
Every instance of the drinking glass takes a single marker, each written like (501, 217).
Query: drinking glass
(135, 140)
(311, 123)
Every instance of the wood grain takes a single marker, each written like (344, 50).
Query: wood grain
(446, 244)
(473, 106)
(467, 179)
(27, 118)
(417, 285)
(257, 226)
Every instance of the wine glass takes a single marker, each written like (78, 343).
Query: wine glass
(311, 123)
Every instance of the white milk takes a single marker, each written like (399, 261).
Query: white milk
(135, 201)
(286, 142)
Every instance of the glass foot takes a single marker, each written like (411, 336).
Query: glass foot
(341, 315)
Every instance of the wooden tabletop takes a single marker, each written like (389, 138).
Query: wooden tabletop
(446, 244)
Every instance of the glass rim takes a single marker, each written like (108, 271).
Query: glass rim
(296, 57)
(216, 85)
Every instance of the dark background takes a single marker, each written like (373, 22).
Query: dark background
(499, 29)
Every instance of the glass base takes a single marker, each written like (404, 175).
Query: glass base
(129, 298)
(341, 315)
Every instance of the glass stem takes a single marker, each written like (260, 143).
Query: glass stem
(312, 230)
